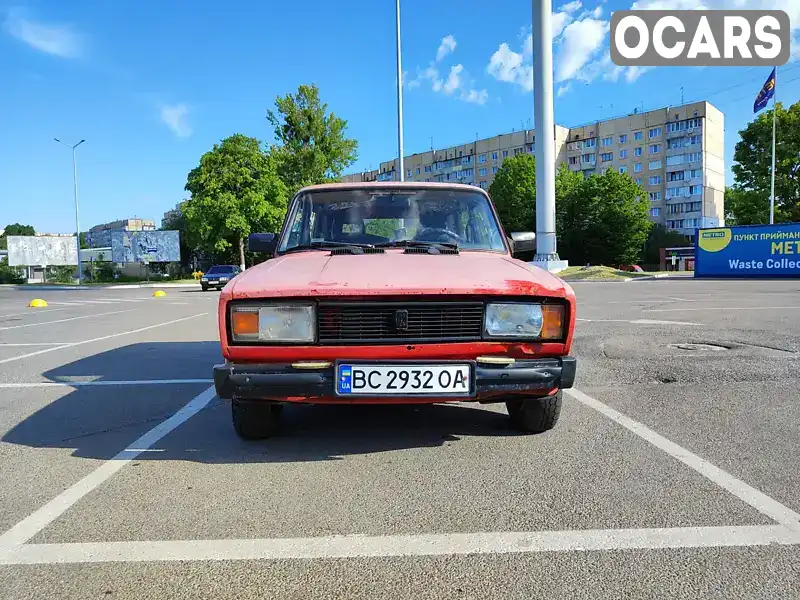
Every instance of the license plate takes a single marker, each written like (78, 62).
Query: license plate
(404, 379)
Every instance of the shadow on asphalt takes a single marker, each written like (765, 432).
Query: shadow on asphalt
(99, 421)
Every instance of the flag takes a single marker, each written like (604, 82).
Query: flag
(767, 92)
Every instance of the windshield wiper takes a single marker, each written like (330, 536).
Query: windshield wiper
(416, 244)
(325, 245)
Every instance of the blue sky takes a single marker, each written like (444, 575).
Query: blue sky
(151, 85)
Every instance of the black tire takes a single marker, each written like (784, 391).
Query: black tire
(255, 420)
(204, 288)
(535, 415)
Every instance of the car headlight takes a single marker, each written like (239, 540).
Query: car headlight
(531, 321)
(223, 279)
(273, 323)
(204, 279)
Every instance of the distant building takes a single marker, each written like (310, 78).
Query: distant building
(99, 236)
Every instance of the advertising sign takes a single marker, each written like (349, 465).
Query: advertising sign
(41, 251)
(145, 246)
(751, 251)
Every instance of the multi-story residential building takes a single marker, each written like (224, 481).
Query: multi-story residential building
(99, 236)
(674, 153)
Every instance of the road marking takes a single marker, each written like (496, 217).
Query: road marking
(723, 308)
(639, 321)
(361, 546)
(33, 312)
(45, 384)
(758, 500)
(33, 524)
(114, 312)
(5, 345)
(98, 339)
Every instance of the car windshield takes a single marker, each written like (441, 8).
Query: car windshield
(221, 270)
(385, 217)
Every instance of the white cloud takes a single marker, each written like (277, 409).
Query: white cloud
(59, 40)
(581, 40)
(563, 89)
(453, 79)
(446, 47)
(571, 7)
(175, 116)
(475, 96)
(598, 12)
(457, 81)
(507, 65)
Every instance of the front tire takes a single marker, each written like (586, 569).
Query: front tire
(535, 415)
(204, 288)
(255, 420)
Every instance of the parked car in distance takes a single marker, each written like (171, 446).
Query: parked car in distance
(218, 276)
(394, 293)
(631, 268)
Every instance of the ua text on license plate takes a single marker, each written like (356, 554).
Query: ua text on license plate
(404, 380)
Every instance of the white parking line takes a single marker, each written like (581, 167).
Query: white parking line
(98, 339)
(758, 500)
(5, 345)
(33, 524)
(639, 321)
(360, 546)
(114, 312)
(46, 384)
(723, 308)
(36, 311)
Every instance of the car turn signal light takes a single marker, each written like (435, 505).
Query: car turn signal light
(552, 322)
(244, 323)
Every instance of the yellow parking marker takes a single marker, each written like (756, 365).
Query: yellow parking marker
(159, 294)
(38, 303)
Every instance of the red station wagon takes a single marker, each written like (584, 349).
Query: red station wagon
(394, 293)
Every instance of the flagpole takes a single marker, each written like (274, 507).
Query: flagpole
(772, 183)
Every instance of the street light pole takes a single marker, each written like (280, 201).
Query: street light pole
(77, 213)
(399, 98)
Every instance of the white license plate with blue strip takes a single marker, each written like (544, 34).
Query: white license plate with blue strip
(359, 379)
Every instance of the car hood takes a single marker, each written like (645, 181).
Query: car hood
(317, 273)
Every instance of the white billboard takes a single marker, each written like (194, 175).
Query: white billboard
(32, 251)
(145, 246)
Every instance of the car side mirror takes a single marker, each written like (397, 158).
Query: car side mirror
(522, 242)
(262, 242)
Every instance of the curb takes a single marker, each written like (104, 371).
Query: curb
(134, 286)
(87, 288)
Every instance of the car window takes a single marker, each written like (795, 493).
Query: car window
(358, 216)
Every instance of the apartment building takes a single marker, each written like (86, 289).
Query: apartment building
(99, 236)
(675, 153)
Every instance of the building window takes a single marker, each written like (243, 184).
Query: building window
(494, 170)
(676, 126)
(517, 151)
(530, 147)
(692, 173)
(676, 143)
(695, 190)
(623, 154)
(482, 158)
(607, 141)
(638, 181)
(654, 149)
(674, 209)
(623, 169)
(654, 164)
(637, 135)
(623, 139)
(654, 196)
(692, 123)
(694, 139)
(588, 158)
(483, 185)
(607, 156)
(408, 173)
(637, 151)
(494, 155)
(694, 157)
(654, 132)
(505, 153)
(573, 146)
(655, 211)
(427, 168)
(573, 160)
(466, 160)
(675, 176)
(654, 180)
(675, 160)
(482, 171)
(418, 170)
(637, 167)
(590, 143)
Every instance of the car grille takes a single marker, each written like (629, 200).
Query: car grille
(384, 322)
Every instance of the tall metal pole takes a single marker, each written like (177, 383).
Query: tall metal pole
(77, 217)
(544, 125)
(399, 99)
(772, 182)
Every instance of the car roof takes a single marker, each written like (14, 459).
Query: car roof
(392, 185)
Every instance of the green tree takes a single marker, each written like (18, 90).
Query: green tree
(513, 192)
(752, 168)
(311, 143)
(15, 229)
(660, 237)
(176, 221)
(234, 191)
(602, 219)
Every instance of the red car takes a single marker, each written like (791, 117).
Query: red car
(394, 293)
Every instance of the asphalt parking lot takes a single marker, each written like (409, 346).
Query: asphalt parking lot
(671, 474)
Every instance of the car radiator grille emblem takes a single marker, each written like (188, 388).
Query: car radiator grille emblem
(401, 320)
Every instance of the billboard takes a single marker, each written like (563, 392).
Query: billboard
(145, 246)
(749, 251)
(34, 251)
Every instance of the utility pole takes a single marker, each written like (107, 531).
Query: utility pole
(399, 98)
(77, 215)
(544, 124)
